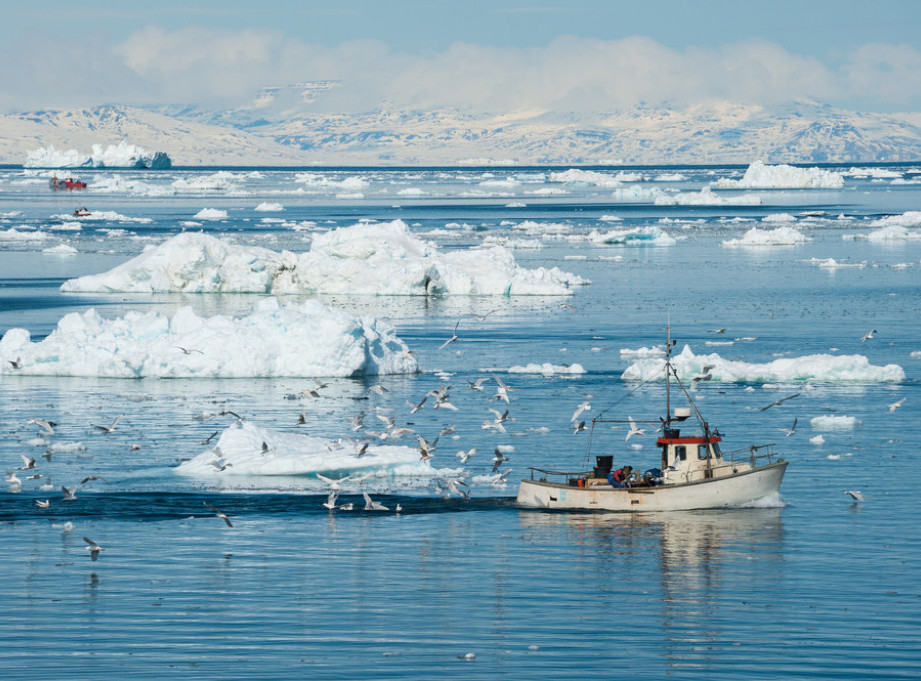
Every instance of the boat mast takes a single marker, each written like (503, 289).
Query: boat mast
(668, 365)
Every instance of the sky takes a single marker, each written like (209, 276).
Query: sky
(488, 55)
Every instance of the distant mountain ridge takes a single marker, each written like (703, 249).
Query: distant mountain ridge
(279, 128)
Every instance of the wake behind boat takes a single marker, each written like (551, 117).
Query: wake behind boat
(694, 472)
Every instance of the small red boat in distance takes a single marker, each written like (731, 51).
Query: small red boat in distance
(68, 183)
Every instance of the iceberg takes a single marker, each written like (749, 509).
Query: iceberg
(637, 236)
(762, 176)
(782, 236)
(364, 259)
(548, 369)
(834, 423)
(706, 197)
(301, 457)
(297, 340)
(826, 368)
(122, 155)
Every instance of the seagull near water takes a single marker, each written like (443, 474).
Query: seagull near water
(465, 456)
(856, 495)
(47, 426)
(780, 401)
(70, 493)
(478, 383)
(868, 335)
(791, 430)
(219, 514)
(585, 406)
(578, 427)
(93, 548)
(896, 405)
(452, 339)
(110, 428)
(371, 505)
(503, 390)
(633, 429)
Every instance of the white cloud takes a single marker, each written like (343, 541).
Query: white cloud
(206, 66)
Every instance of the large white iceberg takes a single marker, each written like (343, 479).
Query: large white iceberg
(307, 339)
(122, 155)
(782, 236)
(825, 368)
(762, 176)
(637, 236)
(369, 259)
(246, 452)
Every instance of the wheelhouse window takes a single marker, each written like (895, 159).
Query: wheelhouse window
(716, 450)
(702, 452)
(681, 453)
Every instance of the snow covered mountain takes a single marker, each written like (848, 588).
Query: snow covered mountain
(281, 127)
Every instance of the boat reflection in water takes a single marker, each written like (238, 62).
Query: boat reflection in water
(685, 586)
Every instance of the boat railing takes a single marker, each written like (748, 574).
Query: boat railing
(558, 474)
(754, 454)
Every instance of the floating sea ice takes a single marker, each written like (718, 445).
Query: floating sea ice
(547, 369)
(210, 214)
(817, 440)
(762, 176)
(297, 340)
(642, 352)
(60, 249)
(834, 422)
(782, 236)
(364, 259)
(240, 450)
(830, 368)
(267, 207)
(653, 236)
(706, 197)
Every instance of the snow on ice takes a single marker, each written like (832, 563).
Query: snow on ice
(830, 368)
(364, 259)
(762, 176)
(306, 339)
(782, 236)
(122, 155)
(240, 450)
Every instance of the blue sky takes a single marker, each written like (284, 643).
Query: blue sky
(496, 54)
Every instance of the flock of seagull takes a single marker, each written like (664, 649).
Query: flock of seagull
(438, 398)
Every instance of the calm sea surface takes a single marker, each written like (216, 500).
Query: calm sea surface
(813, 587)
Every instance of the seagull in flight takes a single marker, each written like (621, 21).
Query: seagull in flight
(896, 405)
(503, 390)
(633, 429)
(478, 383)
(856, 495)
(498, 459)
(47, 426)
(720, 330)
(578, 427)
(464, 456)
(220, 466)
(426, 448)
(27, 463)
(379, 389)
(780, 401)
(452, 339)
(90, 478)
(110, 428)
(331, 500)
(93, 548)
(189, 351)
(371, 505)
(15, 363)
(868, 335)
(70, 493)
(791, 430)
(219, 514)
(416, 407)
(585, 406)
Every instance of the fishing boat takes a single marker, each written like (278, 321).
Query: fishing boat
(694, 472)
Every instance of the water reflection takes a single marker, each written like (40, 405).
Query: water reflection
(711, 566)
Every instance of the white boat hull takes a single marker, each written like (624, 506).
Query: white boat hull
(737, 489)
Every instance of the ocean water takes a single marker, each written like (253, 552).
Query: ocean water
(812, 585)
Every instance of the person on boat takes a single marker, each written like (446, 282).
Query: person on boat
(617, 478)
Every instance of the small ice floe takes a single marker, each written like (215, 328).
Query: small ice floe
(210, 214)
(637, 236)
(269, 207)
(834, 422)
(817, 440)
(830, 368)
(548, 369)
(642, 352)
(707, 197)
(60, 249)
(832, 264)
(762, 176)
(760, 238)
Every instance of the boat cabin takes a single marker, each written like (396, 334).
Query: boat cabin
(692, 458)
